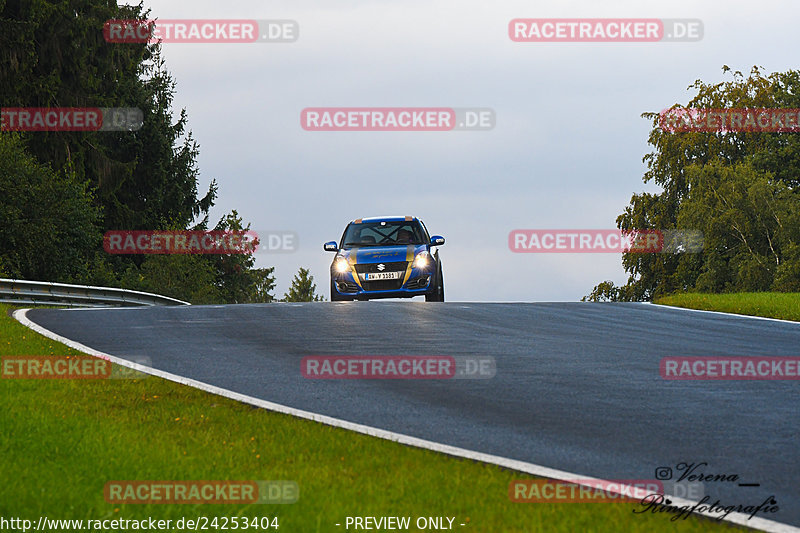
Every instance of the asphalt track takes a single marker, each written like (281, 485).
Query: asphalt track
(577, 385)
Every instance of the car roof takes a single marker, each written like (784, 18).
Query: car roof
(394, 218)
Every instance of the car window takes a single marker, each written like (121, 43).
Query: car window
(386, 234)
(426, 236)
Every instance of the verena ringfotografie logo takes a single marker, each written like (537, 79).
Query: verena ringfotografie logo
(658, 503)
(770, 120)
(397, 367)
(610, 30)
(201, 492)
(582, 490)
(201, 31)
(694, 473)
(604, 241)
(68, 367)
(730, 368)
(71, 119)
(397, 119)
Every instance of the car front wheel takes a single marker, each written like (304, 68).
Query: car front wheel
(436, 294)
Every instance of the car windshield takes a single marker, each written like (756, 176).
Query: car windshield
(386, 233)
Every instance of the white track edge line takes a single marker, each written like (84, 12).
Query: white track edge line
(530, 468)
(721, 313)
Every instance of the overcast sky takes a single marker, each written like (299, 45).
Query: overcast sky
(566, 151)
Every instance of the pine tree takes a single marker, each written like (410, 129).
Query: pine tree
(303, 288)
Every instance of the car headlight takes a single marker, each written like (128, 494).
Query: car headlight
(341, 265)
(422, 260)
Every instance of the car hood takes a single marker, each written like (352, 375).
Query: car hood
(382, 254)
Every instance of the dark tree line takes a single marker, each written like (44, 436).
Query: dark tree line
(60, 191)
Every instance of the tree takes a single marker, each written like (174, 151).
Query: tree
(48, 223)
(263, 285)
(236, 278)
(183, 276)
(603, 292)
(53, 54)
(749, 219)
(303, 288)
(740, 188)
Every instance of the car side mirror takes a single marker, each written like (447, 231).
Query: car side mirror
(331, 246)
(437, 240)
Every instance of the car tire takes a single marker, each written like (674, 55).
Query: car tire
(437, 293)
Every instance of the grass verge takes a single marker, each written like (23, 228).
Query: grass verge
(783, 305)
(62, 440)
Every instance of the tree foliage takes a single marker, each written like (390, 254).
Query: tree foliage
(739, 188)
(63, 190)
(54, 55)
(303, 288)
(47, 219)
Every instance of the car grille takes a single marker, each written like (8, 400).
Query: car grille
(382, 285)
(398, 266)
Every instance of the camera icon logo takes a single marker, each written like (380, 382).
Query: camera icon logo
(663, 473)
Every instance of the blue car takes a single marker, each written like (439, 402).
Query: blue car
(386, 257)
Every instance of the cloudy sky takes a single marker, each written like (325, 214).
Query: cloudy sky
(566, 151)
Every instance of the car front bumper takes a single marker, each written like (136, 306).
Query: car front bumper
(418, 283)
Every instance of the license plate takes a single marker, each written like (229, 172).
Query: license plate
(372, 276)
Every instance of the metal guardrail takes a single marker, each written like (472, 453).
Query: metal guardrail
(46, 293)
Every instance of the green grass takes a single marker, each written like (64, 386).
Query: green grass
(783, 305)
(62, 440)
